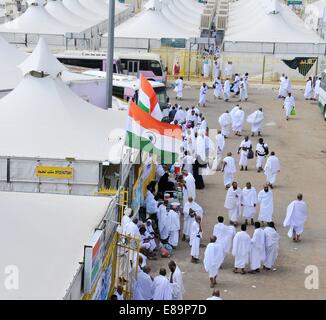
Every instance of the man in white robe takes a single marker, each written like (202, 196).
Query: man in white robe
(227, 90)
(216, 70)
(272, 168)
(317, 89)
(243, 91)
(189, 186)
(180, 116)
(257, 250)
(272, 240)
(126, 219)
(285, 87)
(147, 241)
(206, 68)
(246, 85)
(220, 144)
(289, 104)
(241, 249)
(132, 229)
(187, 162)
(218, 88)
(243, 150)
(225, 122)
(174, 228)
(163, 221)
(203, 95)
(261, 153)
(308, 89)
(176, 281)
(256, 120)
(213, 259)
(234, 110)
(190, 211)
(191, 117)
(144, 288)
(229, 170)
(224, 235)
(200, 147)
(238, 120)
(233, 203)
(249, 203)
(266, 201)
(195, 236)
(281, 89)
(296, 217)
(162, 287)
(179, 88)
(236, 84)
(151, 203)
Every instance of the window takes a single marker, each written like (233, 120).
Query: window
(118, 92)
(86, 63)
(156, 67)
(161, 95)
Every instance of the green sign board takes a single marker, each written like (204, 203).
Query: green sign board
(294, 2)
(174, 43)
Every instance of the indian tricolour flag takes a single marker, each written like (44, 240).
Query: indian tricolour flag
(150, 135)
(147, 99)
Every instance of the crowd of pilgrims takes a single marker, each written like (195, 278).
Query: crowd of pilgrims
(173, 194)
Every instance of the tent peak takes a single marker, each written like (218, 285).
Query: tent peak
(42, 61)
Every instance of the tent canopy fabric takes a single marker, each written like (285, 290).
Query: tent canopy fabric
(10, 57)
(43, 118)
(317, 6)
(165, 22)
(249, 21)
(37, 20)
(44, 236)
(64, 15)
(42, 60)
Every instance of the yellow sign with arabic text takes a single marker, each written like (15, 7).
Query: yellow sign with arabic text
(54, 172)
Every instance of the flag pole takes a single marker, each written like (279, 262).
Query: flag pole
(110, 52)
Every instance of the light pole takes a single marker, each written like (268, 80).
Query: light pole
(109, 55)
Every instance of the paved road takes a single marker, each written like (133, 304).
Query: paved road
(298, 144)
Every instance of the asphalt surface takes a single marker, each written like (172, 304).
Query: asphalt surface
(300, 145)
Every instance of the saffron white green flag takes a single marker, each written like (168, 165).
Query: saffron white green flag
(150, 135)
(147, 99)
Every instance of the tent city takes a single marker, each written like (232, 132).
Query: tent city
(162, 150)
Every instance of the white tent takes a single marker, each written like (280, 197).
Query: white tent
(252, 28)
(163, 22)
(175, 16)
(249, 21)
(37, 20)
(43, 118)
(43, 235)
(56, 9)
(314, 12)
(10, 57)
(96, 6)
(78, 9)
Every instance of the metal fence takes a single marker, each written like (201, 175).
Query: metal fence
(262, 68)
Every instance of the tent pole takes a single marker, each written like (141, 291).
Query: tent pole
(189, 60)
(263, 74)
(109, 56)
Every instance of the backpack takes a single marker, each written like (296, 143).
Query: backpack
(266, 149)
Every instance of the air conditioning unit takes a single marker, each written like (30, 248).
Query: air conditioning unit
(205, 21)
(221, 22)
